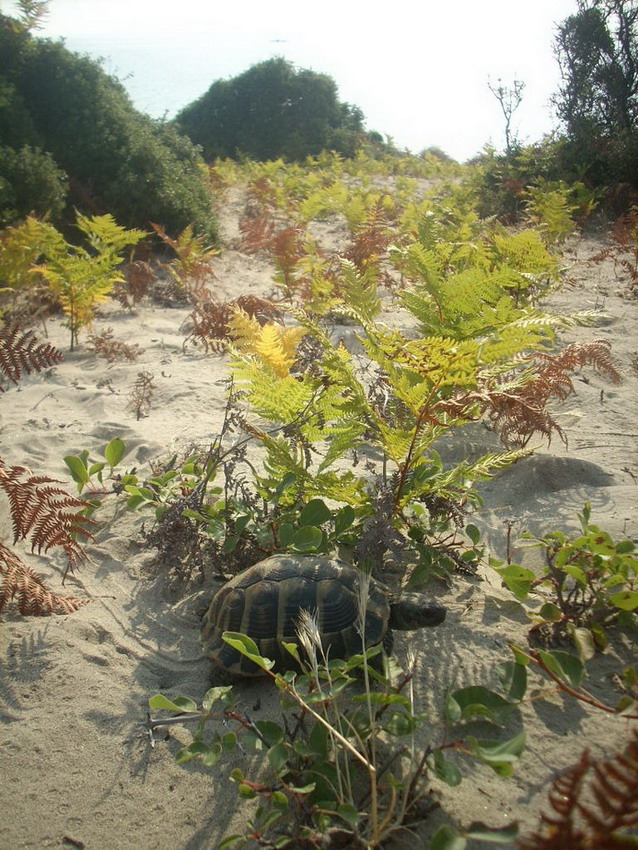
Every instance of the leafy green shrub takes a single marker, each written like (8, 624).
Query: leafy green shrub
(118, 160)
(588, 583)
(272, 110)
(30, 182)
(348, 760)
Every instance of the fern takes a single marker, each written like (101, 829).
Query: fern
(82, 278)
(34, 598)
(44, 514)
(21, 353)
(275, 345)
(521, 411)
(600, 820)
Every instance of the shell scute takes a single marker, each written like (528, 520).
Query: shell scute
(265, 602)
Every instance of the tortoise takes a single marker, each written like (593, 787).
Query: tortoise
(265, 601)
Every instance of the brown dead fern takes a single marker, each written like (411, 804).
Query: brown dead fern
(210, 319)
(593, 804)
(105, 345)
(44, 514)
(139, 278)
(21, 353)
(624, 250)
(257, 230)
(521, 413)
(19, 582)
(370, 240)
(141, 395)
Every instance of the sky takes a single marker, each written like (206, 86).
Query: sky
(419, 69)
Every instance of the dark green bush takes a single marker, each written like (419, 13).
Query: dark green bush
(272, 110)
(117, 159)
(30, 182)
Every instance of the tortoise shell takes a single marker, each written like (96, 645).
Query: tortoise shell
(264, 602)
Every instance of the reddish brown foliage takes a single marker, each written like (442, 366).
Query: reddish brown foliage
(21, 353)
(112, 349)
(593, 823)
(44, 514)
(21, 582)
(519, 414)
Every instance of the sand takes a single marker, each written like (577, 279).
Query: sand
(77, 765)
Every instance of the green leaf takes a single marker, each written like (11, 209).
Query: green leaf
(271, 732)
(569, 667)
(209, 755)
(500, 756)
(517, 579)
(279, 800)
(576, 573)
(513, 677)
(315, 512)
(444, 769)
(349, 814)
(231, 841)
(344, 519)
(550, 613)
(584, 642)
(473, 533)
(115, 451)
(246, 792)
(286, 534)
(78, 469)
(213, 694)
(181, 705)
(278, 758)
(626, 600)
(247, 647)
(478, 701)
(447, 838)
(293, 649)
(307, 539)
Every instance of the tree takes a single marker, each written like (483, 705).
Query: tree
(597, 50)
(510, 99)
(271, 110)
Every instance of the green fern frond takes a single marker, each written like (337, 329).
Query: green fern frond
(360, 290)
(487, 466)
(276, 399)
(105, 235)
(342, 438)
(524, 252)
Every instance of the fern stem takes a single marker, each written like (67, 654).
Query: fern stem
(424, 415)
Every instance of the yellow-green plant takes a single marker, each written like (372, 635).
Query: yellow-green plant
(82, 277)
(21, 247)
(550, 207)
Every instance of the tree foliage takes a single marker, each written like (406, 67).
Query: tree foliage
(117, 160)
(272, 110)
(597, 50)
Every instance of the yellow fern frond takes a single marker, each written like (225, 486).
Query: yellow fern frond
(273, 344)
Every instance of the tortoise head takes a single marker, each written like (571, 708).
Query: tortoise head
(413, 610)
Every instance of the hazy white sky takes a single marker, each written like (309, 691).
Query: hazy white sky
(417, 68)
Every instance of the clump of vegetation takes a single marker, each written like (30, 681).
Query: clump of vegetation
(272, 110)
(588, 583)
(128, 165)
